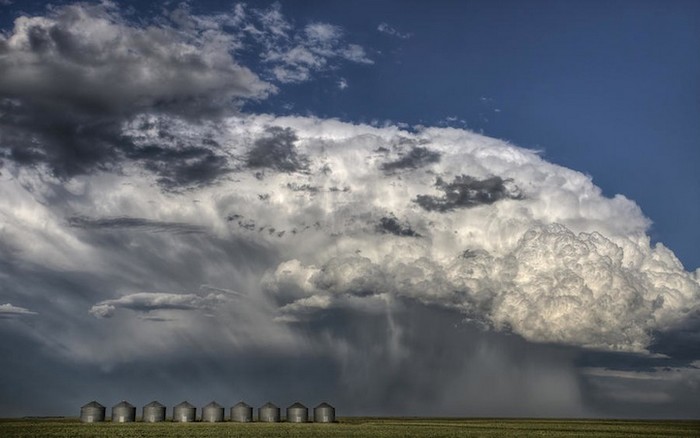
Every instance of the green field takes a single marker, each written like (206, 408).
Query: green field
(357, 427)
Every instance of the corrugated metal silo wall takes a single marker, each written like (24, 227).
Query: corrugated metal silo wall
(269, 414)
(324, 414)
(92, 414)
(153, 414)
(213, 414)
(242, 413)
(123, 414)
(297, 415)
(184, 414)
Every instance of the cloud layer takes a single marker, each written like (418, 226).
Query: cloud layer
(491, 230)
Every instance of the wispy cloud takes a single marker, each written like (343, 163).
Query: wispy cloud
(389, 30)
(8, 310)
(146, 302)
(294, 54)
(133, 223)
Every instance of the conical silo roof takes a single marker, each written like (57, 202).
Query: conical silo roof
(269, 405)
(241, 404)
(93, 404)
(324, 405)
(185, 404)
(213, 404)
(297, 405)
(154, 404)
(123, 404)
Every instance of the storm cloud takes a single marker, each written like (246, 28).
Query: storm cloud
(72, 77)
(395, 271)
(276, 151)
(546, 262)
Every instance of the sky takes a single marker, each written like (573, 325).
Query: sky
(401, 208)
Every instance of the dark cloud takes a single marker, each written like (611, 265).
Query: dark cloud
(302, 188)
(414, 368)
(70, 79)
(390, 224)
(69, 142)
(466, 191)
(417, 157)
(133, 223)
(182, 168)
(681, 342)
(276, 151)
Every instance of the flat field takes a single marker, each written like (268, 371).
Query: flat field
(356, 427)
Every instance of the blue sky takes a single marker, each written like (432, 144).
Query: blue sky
(332, 200)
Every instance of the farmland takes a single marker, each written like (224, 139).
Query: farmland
(356, 427)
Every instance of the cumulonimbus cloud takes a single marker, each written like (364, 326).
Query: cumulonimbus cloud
(490, 230)
(512, 241)
(339, 215)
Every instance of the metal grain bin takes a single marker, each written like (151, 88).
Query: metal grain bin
(123, 412)
(297, 413)
(184, 413)
(269, 413)
(242, 413)
(92, 412)
(324, 413)
(213, 413)
(153, 412)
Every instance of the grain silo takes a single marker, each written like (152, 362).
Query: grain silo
(269, 413)
(184, 413)
(154, 412)
(324, 413)
(123, 412)
(297, 413)
(242, 413)
(92, 412)
(213, 413)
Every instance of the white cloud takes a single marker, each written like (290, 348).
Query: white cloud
(295, 54)
(342, 83)
(558, 265)
(389, 30)
(518, 244)
(8, 310)
(153, 301)
(89, 55)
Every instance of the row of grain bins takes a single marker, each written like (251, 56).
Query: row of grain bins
(154, 412)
